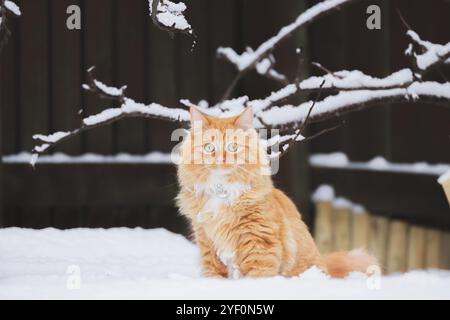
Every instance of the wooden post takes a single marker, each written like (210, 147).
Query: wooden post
(360, 229)
(342, 225)
(445, 250)
(397, 247)
(416, 248)
(378, 238)
(433, 249)
(323, 229)
(444, 180)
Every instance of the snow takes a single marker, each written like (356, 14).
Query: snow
(130, 106)
(157, 264)
(14, 8)
(335, 159)
(345, 99)
(432, 54)
(342, 203)
(359, 209)
(170, 14)
(41, 148)
(326, 193)
(112, 91)
(51, 138)
(120, 158)
(345, 79)
(378, 163)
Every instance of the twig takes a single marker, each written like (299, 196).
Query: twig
(306, 18)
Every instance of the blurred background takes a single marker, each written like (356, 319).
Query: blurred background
(43, 67)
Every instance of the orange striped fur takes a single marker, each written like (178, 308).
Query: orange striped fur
(257, 231)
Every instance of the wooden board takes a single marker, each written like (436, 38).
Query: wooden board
(323, 227)
(397, 247)
(416, 248)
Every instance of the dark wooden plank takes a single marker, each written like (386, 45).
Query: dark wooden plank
(121, 184)
(34, 217)
(35, 90)
(100, 216)
(420, 132)
(11, 217)
(167, 217)
(130, 42)
(414, 198)
(258, 24)
(292, 177)
(67, 217)
(223, 21)
(34, 72)
(66, 95)
(194, 64)
(365, 133)
(129, 216)
(99, 52)
(328, 46)
(162, 82)
(9, 79)
(66, 76)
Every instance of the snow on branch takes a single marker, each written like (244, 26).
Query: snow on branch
(350, 101)
(345, 91)
(249, 59)
(428, 54)
(128, 108)
(169, 16)
(7, 8)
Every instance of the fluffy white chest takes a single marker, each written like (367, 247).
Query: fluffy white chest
(219, 191)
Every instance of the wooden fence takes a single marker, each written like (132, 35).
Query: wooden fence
(398, 245)
(43, 67)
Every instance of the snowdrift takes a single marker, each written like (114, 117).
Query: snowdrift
(157, 264)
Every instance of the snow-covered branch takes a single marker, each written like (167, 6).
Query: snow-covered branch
(7, 8)
(249, 59)
(128, 108)
(427, 55)
(354, 100)
(345, 91)
(169, 16)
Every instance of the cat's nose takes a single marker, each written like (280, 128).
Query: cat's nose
(220, 160)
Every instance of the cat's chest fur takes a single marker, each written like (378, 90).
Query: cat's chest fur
(218, 192)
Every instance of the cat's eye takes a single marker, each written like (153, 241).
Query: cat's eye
(232, 147)
(209, 147)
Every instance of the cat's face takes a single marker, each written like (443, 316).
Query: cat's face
(222, 143)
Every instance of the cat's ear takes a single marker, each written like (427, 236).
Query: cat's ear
(196, 116)
(245, 120)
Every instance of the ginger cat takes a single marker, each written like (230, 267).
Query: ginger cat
(244, 226)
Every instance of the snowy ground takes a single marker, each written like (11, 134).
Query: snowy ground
(157, 264)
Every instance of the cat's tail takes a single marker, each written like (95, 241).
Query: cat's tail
(340, 264)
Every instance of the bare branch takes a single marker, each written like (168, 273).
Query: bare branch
(7, 8)
(298, 134)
